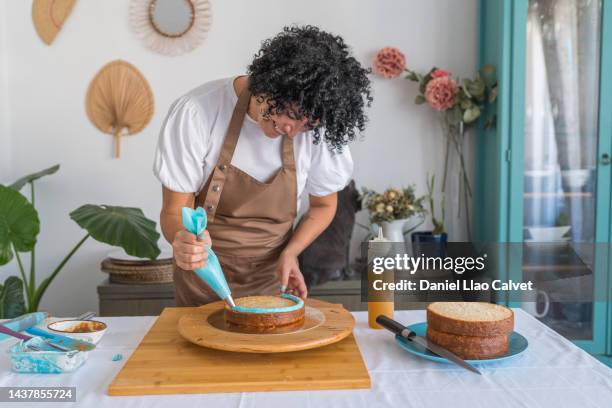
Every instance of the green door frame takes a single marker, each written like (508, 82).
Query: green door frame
(605, 146)
(510, 22)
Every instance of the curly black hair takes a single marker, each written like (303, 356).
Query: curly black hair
(305, 72)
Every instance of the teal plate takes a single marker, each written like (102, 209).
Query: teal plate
(517, 345)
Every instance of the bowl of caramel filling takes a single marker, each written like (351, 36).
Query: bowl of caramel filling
(88, 330)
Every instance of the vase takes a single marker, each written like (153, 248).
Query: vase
(394, 230)
(429, 245)
(455, 181)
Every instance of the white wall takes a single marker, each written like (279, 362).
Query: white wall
(5, 146)
(48, 123)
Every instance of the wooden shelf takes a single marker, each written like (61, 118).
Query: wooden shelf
(543, 273)
(565, 194)
(558, 268)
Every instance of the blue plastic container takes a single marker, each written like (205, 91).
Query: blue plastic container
(46, 361)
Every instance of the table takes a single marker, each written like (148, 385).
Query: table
(553, 372)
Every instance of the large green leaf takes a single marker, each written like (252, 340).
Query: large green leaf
(19, 224)
(18, 185)
(120, 226)
(12, 303)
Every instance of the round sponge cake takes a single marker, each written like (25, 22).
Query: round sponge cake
(470, 318)
(470, 347)
(265, 311)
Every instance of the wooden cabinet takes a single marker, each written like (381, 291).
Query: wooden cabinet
(117, 299)
(149, 300)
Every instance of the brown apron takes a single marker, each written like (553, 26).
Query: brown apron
(249, 222)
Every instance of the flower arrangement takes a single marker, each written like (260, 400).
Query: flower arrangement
(459, 102)
(392, 204)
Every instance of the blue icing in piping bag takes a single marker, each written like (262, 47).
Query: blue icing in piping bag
(195, 222)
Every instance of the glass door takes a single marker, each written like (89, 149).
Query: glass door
(561, 142)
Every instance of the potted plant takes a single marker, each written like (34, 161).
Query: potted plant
(393, 210)
(431, 243)
(124, 227)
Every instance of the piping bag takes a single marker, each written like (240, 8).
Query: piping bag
(195, 222)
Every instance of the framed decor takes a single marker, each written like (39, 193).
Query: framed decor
(171, 27)
(119, 101)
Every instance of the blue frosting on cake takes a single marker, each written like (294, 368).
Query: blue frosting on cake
(299, 303)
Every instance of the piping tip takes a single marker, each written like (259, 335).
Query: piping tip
(283, 288)
(230, 301)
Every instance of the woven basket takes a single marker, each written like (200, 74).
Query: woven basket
(138, 274)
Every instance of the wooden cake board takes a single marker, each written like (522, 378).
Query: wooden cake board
(325, 323)
(165, 363)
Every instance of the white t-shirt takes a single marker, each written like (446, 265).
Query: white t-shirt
(192, 135)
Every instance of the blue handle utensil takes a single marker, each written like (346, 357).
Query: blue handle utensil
(63, 341)
(21, 336)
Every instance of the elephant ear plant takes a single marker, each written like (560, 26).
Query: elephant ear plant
(124, 227)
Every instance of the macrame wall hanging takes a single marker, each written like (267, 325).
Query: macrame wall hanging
(119, 101)
(49, 16)
(171, 27)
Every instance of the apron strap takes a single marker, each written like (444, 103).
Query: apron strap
(217, 180)
(233, 130)
(288, 158)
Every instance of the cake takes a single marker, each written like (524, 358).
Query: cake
(470, 318)
(470, 347)
(266, 312)
(471, 330)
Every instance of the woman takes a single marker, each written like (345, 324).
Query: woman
(246, 148)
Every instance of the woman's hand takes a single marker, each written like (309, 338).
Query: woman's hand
(319, 216)
(190, 252)
(291, 278)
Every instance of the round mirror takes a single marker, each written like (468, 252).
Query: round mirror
(171, 18)
(171, 27)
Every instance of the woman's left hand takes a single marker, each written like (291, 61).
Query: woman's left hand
(291, 278)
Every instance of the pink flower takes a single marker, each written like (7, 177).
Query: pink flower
(389, 62)
(439, 73)
(440, 93)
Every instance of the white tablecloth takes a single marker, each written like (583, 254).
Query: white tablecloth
(553, 372)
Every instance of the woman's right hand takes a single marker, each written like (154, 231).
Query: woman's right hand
(190, 252)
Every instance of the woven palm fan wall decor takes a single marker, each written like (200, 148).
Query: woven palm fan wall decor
(119, 101)
(171, 27)
(49, 16)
